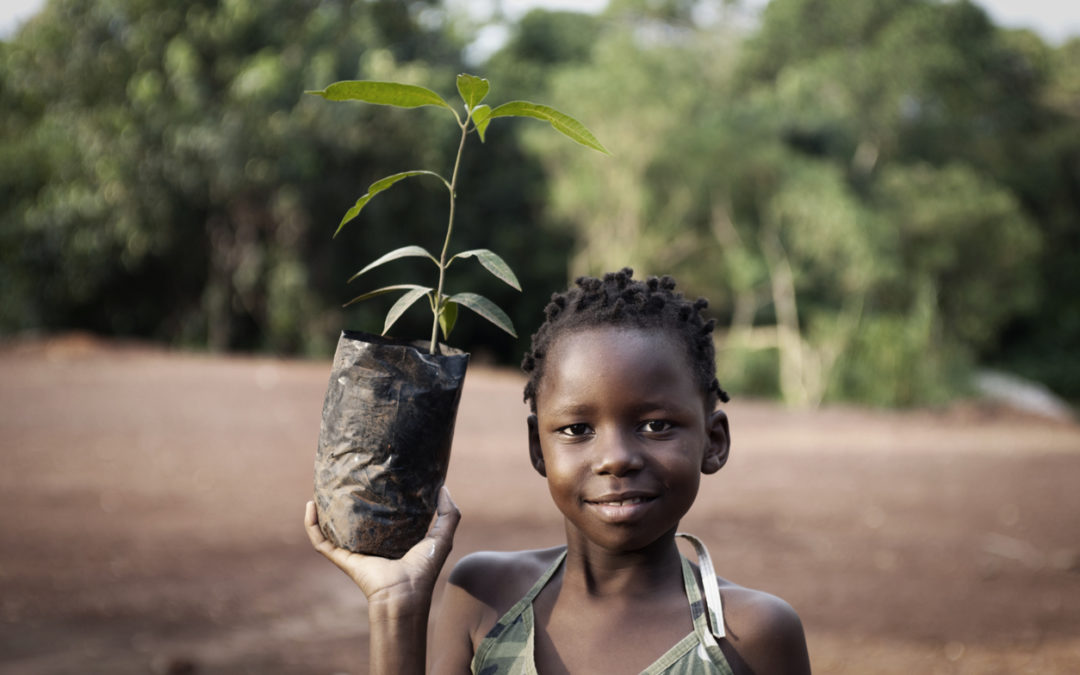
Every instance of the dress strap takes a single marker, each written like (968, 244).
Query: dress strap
(526, 601)
(543, 580)
(510, 640)
(713, 604)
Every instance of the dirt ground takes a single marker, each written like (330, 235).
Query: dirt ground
(152, 505)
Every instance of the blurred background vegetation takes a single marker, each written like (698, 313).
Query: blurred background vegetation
(877, 197)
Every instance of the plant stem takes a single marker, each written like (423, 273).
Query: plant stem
(449, 231)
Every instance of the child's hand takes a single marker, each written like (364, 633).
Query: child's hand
(405, 583)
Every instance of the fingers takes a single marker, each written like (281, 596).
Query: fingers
(311, 525)
(314, 533)
(318, 541)
(429, 553)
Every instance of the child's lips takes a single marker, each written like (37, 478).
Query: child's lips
(621, 507)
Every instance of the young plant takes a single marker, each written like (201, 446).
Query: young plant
(473, 90)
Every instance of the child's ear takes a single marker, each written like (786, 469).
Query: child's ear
(719, 443)
(536, 456)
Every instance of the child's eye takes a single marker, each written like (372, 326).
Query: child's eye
(579, 429)
(655, 426)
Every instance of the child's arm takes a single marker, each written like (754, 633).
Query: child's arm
(398, 591)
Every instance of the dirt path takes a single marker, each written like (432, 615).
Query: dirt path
(152, 502)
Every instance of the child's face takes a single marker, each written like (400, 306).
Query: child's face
(622, 433)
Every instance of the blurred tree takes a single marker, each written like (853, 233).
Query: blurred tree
(930, 93)
(180, 167)
(876, 196)
(643, 80)
(167, 177)
(1042, 165)
(831, 185)
(540, 41)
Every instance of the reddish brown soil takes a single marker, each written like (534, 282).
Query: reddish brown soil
(152, 507)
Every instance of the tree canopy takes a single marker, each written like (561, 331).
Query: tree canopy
(877, 197)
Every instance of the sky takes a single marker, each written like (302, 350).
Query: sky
(1055, 20)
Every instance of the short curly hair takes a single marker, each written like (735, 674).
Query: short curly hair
(620, 300)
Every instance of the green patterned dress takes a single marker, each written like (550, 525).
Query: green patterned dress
(508, 649)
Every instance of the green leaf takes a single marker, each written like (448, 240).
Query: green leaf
(485, 308)
(473, 89)
(492, 263)
(382, 93)
(481, 117)
(560, 121)
(403, 252)
(377, 187)
(403, 303)
(385, 289)
(447, 318)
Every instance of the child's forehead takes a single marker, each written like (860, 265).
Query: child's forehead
(610, 336)
(597, 351)
(612, 339)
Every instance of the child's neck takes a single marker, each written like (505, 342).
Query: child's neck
(592, 571)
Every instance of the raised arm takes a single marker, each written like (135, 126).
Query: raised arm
(398, 591)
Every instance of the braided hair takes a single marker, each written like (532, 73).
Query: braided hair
(620, 300)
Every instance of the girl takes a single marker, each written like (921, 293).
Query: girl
(624, 423)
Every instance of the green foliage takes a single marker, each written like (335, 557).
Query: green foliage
(172, 174)
(876, 197)
(559, 121)
(492, 263)
(382, 93)
(836, 185)
(377, 187)
(473, 90)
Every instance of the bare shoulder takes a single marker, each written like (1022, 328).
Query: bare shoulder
(764, 631)
(499, 579)
(485, 585)
(481, 588)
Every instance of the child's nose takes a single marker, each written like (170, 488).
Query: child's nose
(617, 455)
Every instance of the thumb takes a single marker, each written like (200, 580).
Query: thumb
(440, 538)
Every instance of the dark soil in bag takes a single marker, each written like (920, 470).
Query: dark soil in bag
(384, 443)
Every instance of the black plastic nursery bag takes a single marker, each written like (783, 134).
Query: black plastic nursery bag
(384, 443)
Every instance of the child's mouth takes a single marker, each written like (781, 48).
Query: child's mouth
(622, 502)
(621, 508)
